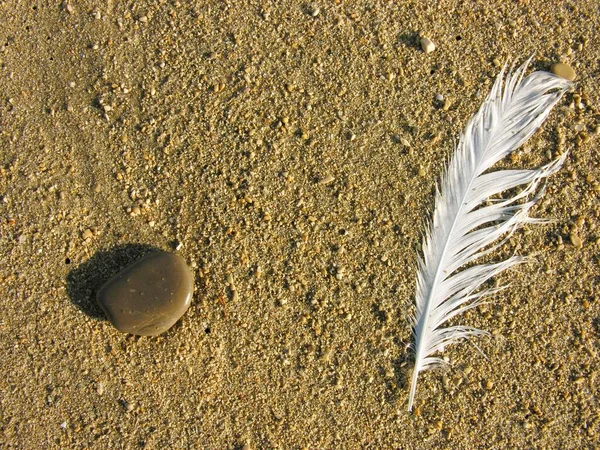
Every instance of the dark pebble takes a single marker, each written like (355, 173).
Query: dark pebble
(149, 296)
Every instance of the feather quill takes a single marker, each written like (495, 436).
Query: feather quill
(465, 224)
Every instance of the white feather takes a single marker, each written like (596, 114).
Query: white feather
(464, 225)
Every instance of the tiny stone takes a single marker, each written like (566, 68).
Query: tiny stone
(427, 45)
(149, 296)
(576, 240)
(87, 234)
(314, 11)
(327, 179)
(564, 71)
(447, 104)
(100, 388)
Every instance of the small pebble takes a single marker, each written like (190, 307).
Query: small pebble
(314, 11)
(447, 104)
(564, 71)
(427, 45)
(327, 179)
(576, 240)
(149, 296)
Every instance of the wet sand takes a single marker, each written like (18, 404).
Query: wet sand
(288, 151)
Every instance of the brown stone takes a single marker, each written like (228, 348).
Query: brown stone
(149, 296)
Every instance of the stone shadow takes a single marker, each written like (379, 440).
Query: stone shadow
(84, 281)
(410, 39)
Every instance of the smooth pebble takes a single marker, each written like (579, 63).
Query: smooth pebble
(576, 240)
(427, 45)
(564, 71)
(149, 296)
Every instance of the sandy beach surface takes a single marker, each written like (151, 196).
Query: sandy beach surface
(288, 151)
